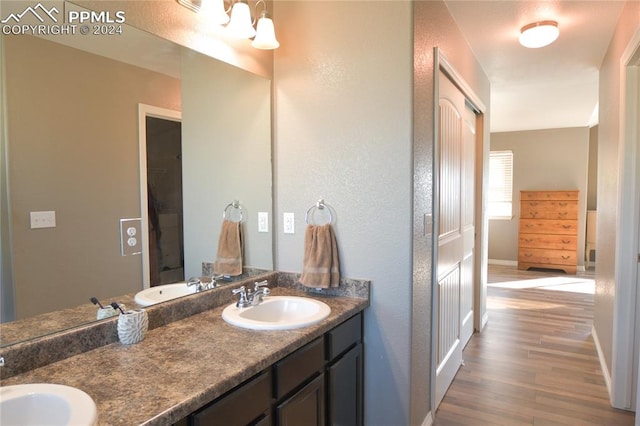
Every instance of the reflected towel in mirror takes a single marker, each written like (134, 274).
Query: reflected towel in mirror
(321, 266)
(229, 258)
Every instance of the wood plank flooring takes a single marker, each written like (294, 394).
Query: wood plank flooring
(535, 363)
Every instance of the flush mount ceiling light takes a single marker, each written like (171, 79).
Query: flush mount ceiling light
(240, 24)
(539, 34)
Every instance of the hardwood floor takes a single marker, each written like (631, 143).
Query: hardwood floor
(535, 363)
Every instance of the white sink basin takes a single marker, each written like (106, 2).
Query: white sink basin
(162, 293)
(278, 313)
(46, 404)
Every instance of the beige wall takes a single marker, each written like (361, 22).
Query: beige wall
(552, 159)
(73, 143)
(608, 182)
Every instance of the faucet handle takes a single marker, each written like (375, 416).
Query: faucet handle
(257, 284)
(243, 302)
(242, 290)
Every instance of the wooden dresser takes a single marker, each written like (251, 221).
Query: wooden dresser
(548, 235)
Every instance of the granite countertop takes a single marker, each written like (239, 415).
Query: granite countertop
(181, 366)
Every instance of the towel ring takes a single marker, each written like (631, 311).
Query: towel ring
(320, 205)
(236, 205)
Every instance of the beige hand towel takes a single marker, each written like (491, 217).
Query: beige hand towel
(321, 266)
(229, 258)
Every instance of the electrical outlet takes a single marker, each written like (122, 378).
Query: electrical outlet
(263, 221)
(130, 236)
(43, 219)
(289, 227)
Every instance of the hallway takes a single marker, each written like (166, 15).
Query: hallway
(535, 363)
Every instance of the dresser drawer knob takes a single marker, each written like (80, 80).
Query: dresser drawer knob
(566, 226)
(566, 241)
(566, 257)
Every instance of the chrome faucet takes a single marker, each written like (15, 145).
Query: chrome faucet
(252, 298)
(200, 284)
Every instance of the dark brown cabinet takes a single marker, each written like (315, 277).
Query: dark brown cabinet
(317, 385)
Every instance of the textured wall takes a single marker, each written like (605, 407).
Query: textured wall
(343, 96)
(551, 159)
(608, 182)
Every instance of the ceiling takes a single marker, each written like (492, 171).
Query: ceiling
(551, 87)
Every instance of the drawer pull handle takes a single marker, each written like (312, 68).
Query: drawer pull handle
(566, 257)
(532, 204)
(563, 204)
(528, 240)
(566, 241)
(528, 255)
(529, 225)
(533, 214)
(562, 214)
(566, 226)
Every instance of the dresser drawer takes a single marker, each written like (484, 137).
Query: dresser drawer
(554, 242)
(545, 256)
(549, 209)
(548, 226)
(549, 195)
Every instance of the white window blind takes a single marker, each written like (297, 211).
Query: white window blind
(500, 184)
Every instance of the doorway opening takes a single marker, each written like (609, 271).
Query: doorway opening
(161, 195)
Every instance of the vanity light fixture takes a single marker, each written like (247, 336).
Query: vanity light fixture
(240, 23)
(539, 34)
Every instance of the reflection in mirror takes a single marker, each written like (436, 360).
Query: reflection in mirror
(73, 149)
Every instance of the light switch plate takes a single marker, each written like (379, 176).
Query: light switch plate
(43, 219)
(263, 221)
(289, 227)
(130, 236)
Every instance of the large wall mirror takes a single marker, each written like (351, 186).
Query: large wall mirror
(71, 115)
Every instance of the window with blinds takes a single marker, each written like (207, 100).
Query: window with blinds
(500, 184)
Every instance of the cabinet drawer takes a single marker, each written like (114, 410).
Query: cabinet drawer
(296, 368)
(555, 242)
(245, 405)
(549, 195)
(549, 210)
(548, 226)
(344, 336)
(544, 256)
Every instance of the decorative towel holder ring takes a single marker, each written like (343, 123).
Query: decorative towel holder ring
(236, 205)
(320, 205)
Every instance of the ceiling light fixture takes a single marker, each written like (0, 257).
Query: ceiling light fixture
(539, 34)
(240, 24)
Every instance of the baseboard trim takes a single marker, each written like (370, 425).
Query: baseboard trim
(503, 262)
(428, 421)
(603, 363)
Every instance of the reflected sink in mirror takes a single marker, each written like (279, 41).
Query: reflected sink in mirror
(162, 293)
(278, 313)
(46, 404)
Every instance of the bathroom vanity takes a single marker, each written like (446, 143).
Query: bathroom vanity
(199, 367)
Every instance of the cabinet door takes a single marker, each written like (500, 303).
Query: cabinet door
(345, 389)
(306, 407)
(249, 404)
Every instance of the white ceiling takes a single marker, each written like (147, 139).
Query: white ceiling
(551, 87)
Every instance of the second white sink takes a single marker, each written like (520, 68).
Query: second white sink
(46, 404)
(278, 313)
(162, 293)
